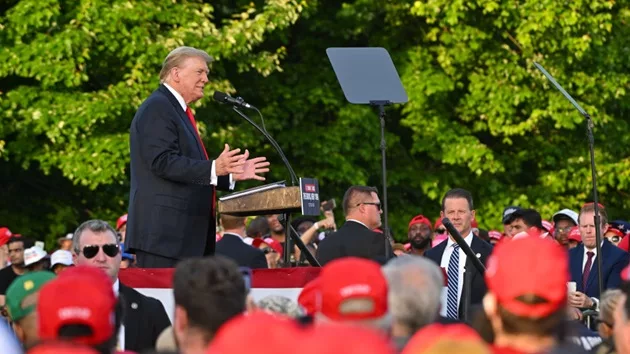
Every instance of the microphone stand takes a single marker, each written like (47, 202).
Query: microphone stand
(381, 114)
(591, 148)
(463, 245)
(291, 236)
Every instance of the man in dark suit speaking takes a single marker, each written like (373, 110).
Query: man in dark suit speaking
(173, 179)
(356, 238)
(457, 205)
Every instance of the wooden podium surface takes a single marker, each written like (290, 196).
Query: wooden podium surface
(272, 201)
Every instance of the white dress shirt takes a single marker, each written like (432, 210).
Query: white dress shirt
(121, 332)
(446, 257)
(213, 171)
(594, 250)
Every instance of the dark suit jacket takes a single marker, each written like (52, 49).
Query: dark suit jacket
(613, 261)
(171, 199)
(478, 286)
(353, 240)
(144, 319)
(244, 255)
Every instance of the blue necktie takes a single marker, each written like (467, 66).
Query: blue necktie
(453, 282)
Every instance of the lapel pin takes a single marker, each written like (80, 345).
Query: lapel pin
(478, 255)
(134, 306)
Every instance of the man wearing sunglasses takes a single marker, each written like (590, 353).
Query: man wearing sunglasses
(95, 244)
(356, 237)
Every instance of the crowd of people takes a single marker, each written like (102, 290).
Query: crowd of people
(538, 293)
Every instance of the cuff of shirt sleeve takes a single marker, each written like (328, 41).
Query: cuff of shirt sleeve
(213, 175)
(232, 182)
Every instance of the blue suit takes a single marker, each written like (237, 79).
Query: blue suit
(614, 260)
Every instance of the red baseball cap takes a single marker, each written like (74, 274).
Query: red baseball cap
(352, 280)
(61, 347)
(438, 223)
(275, 245)
(514, 271)
(615, 231)
(5, 235)
(80, 295)
(308, 297)
(121, 221)
(495, 234)
(420, 219)
(574, 234)
(458, 337)
(343, 338)
(282, 335)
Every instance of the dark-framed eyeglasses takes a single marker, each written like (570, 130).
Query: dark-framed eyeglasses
(564, 229)
(377, 205)
(440, 231)
(110, 249)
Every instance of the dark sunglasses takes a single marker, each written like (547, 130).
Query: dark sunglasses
(377, 205)
(440, 231)
(111, 250)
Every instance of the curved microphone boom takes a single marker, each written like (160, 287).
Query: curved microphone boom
(463, 245)
(225, 98)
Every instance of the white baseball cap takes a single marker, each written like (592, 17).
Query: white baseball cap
(33, 255)
(568, 213)
(61, 257)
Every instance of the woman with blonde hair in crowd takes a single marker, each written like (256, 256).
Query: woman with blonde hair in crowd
(606, 321)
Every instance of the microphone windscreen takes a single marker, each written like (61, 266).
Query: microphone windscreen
(219, 96)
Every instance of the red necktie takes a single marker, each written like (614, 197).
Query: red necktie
(191, 117)
(587, 269)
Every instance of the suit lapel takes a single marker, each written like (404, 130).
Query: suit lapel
(132, 307)
(576, 268)
(439, 252)
(183, 116)
(592, 277)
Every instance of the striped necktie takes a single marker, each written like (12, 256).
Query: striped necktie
(453, 284)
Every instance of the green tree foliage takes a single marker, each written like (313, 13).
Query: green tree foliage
(480, 116)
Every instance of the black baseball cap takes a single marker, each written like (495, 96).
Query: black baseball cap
(507, 214)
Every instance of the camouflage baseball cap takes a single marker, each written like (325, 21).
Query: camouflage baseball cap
(20, 288)
(280, 305)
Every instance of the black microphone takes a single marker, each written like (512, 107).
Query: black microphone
(463, 245)
(225, 98)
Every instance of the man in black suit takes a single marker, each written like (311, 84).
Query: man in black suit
(233, 246)
(457, 205)
(583, 261)
(95, 244)
(173, 179)
(355, 237)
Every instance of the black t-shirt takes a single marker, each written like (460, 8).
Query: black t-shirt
(7, 276)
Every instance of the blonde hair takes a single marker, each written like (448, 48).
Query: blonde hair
(177, 56)
(607, 304)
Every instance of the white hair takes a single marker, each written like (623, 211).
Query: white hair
(415, 284)
(177, 56)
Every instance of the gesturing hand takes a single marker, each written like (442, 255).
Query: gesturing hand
(252, 168)
(229, 162)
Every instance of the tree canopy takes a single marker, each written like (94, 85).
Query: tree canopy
(480, 115)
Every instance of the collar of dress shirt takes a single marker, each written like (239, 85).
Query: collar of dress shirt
(179, 97)
(358, 222)
(116, 287)
(594, 250)
(468, 240)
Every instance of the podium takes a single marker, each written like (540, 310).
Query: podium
(274, 198)
(280, 200)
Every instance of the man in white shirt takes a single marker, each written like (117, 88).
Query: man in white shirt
(584, 265)
(457, 206)
(173, 177)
